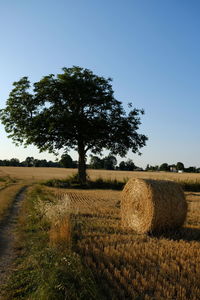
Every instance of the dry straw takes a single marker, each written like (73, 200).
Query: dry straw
(152, 205)
(58, 214)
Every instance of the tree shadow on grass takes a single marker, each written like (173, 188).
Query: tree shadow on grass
(73, 183)
(186, 234)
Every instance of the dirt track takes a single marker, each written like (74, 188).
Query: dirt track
(7, 238)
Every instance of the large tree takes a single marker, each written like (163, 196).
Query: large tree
(73, 110)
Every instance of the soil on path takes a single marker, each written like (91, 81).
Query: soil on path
(7, 239)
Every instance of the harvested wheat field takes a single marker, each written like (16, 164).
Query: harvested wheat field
(127, 265)
(131, 265)
(36, 174)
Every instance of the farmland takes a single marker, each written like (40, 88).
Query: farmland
(131, 265)
(36, 174)
(82, 228)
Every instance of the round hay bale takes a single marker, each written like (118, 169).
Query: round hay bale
(152, 205)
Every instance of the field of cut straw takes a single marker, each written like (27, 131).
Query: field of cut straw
(36, 174)
(128, 265)
(68, 231)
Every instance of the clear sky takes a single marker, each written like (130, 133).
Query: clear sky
(151, 49)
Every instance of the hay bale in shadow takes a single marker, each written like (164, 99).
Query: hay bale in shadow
(152, 205)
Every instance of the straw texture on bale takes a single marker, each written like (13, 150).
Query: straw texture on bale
(152, 205)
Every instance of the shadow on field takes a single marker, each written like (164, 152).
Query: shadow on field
(186, 234)
(193, 194)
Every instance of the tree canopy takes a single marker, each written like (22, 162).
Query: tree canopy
(127, 165)
(108, 163)
(73, 110)
(66, 161)
(180, 166)
(164, 167)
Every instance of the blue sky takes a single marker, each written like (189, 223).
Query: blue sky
(151, 49)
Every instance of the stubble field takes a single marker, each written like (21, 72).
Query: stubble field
(125, 264)
(36, 174)
(133, 266)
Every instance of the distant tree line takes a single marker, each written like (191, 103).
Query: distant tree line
(65, 162)
(178, 167)
(106, 163)
(110, 163)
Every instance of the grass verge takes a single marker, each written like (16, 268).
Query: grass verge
(99, 183)
(7, 195)
(44, 270)
(114, 184)
(6, 181)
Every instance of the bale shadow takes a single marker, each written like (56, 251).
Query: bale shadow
(193, 194)
(185, 234)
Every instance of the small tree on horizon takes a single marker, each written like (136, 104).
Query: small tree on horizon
(127, 165)
(73, 110)
(109, 162)
(96, 162)
(66, 161)
(180, 166)
(164, 167)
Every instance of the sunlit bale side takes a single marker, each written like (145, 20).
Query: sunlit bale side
(152, 205)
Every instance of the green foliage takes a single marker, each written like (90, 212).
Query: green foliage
(180, 166)
(127, 166)
(96, 162)
(29, 162)
(108, 163)
(191, 170)
(67, 162)
(164, 167)
(74, 110)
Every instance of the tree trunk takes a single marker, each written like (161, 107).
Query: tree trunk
(81, 164)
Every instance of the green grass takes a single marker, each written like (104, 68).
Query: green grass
(41, 271)
(8, 194)
(6, 180)
(114, 184)
(99, 183)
